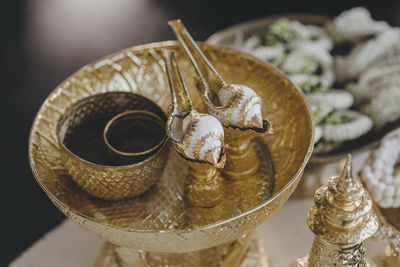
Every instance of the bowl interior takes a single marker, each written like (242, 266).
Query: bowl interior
(161, 216)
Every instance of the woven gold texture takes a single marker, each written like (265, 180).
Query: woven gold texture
(104, 180)
(160, 220)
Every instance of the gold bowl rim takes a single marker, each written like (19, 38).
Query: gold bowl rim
(169, 44)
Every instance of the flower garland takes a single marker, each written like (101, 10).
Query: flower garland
(380, 173)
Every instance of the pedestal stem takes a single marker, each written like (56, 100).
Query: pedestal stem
(205, 187)
(241, 158)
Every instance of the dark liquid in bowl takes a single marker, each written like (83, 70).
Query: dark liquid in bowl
(86, 141)
(85, 121)
(135, 134)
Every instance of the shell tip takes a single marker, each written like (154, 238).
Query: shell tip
(256, 122)
(213, 156)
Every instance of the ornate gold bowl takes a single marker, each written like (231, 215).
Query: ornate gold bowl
(160, 220)
(85, 154)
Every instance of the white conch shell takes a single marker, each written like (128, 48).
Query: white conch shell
(244, 110)
(196, 136)
(203, 139)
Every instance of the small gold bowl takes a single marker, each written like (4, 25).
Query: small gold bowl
(86, 156)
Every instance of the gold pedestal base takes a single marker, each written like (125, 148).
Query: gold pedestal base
(254, 256)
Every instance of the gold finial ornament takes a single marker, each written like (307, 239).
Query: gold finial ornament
(198, 138)
(236, 106)
(342, 218)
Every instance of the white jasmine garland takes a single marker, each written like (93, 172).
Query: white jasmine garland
(299, 79)
(315, 52)
(385, 107)
(317, 134)
(378, 172)
(328, 76)
(363, 54)
(302, 50)
(297, 62)
(268, 52)
(365, 92)
(357, 125)
(320, 37)
(250, 43)
(324, 59)
(338, 99)
(390, 58)
(376, 73)
(354, 24)
(320, 112)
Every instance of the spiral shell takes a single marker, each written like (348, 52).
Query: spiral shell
(242, 107)
(202, 137)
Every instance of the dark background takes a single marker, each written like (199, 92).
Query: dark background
(44, 41)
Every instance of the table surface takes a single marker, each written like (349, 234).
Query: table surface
(285, 235)
(44, 41)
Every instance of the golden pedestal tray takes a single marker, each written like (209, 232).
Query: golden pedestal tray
(159, 222)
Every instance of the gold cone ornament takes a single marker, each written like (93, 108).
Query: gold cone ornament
(342, 218)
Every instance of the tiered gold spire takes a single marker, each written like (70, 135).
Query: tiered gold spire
(342, 218)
